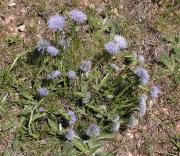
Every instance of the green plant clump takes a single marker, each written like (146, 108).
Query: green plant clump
(69, 88)
(170, 63)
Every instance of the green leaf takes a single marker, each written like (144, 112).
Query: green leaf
(177, 79)
(79, 144)
(93, 142)
(177, 58)
(177, 54)
(27, 110)
(34, 135)
(93, 22)
(176, 50)
(38, 116)
(16, 144)
(68, 148)
(62, 113)
(94, 149)
(105, 136)
(8, 125)
(94, 109)
(7, 153)
(177, 38)
(22, 120)
(170, 39)
(53, 125)
(79, 94)
(165, 60)
(104, 154)
(94, 146)
(4, 99)
(84, 88)
(26, 95)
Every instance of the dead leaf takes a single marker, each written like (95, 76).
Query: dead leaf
(11, 4)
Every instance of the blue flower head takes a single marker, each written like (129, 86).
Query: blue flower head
(142, 74)
(120, 41)
(115, 127)
(93, 130)
(42, 45)
(86, 66)
(155, 91)
(43, 91)
(53, 51)
(142, 105)
(56, 23)
(72, 117)
(71, 75)
(78, 16)
(111, 48)
(54, 74)
(70, 134)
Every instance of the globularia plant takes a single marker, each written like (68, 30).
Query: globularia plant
(81, 101)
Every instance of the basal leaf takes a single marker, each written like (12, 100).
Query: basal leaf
(53, 125)
(105, 136)
(165, 60)
(16, 144)
(38, 116)
(26, 95)
(79, 144)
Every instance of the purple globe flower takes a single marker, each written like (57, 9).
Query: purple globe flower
(142, 74)
(115, 127)
(70, 134)
(72, 117)
(42, 45)
(56, 23)
(86, 66)
(155, 91)
(93, 130)
(54, 74)
(78, 16)
(120, 41)
(142, 105)
(53, 51)
(71, 75)
(43, 91)
(111, 48)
